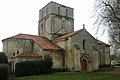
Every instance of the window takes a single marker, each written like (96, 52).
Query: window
(66, 12)
(84, 43)
(42, 28)
(46, 11)
(13, 54)
(58, 10)
(17, 52)
(42, 14)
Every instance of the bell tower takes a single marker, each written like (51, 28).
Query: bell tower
(55, 20)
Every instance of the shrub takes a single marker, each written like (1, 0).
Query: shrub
(4, 71)
(34, 67)
(47, 64)
(44, 66)
(3, 58)
(40, 66)
(25, 68)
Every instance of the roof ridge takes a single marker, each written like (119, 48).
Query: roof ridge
(28, 34)
(39, 40)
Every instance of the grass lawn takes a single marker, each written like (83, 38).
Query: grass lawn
(72, 76)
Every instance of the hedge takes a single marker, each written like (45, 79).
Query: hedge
(4, 71)
(47, 68)
(25, 68)
(3, 58)
(34, 67)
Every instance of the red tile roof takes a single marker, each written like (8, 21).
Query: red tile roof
(26, 54)
(42, 42)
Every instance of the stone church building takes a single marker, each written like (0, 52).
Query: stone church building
(70, 50)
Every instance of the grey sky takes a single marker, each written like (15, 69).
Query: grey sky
(21, 16)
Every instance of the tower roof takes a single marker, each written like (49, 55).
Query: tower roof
(55, 3)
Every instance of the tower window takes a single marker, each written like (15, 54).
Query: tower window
(42, 28)
(66, 12)
(58, 10)
(47, 11)
(42, 14)
(84, 43)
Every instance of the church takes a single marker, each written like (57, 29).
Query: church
(70, 50)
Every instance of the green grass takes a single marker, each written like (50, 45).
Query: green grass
(72, 76)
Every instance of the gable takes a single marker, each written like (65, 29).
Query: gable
(82, 33)
(84, 40)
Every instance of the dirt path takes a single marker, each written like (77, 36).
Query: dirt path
(116, 70)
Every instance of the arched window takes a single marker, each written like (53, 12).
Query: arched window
(66, 12)
(14, 54)
(17, 52)
(84, 43)
(42, 28)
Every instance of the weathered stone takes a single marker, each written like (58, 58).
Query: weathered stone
(76, 50)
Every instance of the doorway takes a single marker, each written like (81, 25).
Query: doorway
(84, 65)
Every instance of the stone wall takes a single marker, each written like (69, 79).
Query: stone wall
(58, 61)
(77, 56)
(52, 7)
(55, 24)
(90, 41)
(73, 54)
(81, 36)
(13, 47)
(54, 20)
(68, 54)
(104, 54)
(57, 58)
(95, 60)
(107, 55)
(37, 50)
(101, 49)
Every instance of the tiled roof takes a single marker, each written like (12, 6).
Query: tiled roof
(42, 42)
(67, 35)
(26, 54)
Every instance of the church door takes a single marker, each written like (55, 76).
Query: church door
(84, 65)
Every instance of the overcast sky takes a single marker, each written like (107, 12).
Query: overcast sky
(21, 16)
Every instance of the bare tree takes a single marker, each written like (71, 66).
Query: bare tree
(107, 13)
